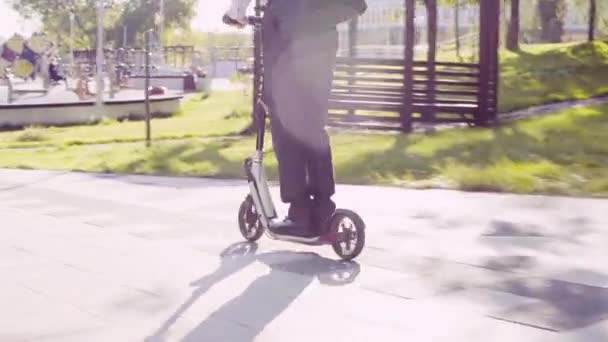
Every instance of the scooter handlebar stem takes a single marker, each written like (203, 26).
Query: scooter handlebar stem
(254, 20)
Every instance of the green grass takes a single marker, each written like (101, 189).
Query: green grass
(566, 154)
(546, 73)
(541, 74)
(224, 113)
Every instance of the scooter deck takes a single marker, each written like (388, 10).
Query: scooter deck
(322, 240)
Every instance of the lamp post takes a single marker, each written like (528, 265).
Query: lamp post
(161, 23)
(99, 55)
(148, 35)
(72, 41)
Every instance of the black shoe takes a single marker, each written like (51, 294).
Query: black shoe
(322, 213)
(293, 228)
(298, 221)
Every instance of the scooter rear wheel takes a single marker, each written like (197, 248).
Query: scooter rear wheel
(249, 221)
(350, 227)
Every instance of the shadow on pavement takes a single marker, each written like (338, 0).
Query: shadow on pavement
(559, 306)
(245, 316)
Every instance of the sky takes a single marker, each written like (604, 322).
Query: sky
(209, 15)
(10, 22)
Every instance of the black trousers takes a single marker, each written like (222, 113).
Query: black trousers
(298, 74)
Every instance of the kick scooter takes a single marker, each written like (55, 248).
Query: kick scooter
(257, 213)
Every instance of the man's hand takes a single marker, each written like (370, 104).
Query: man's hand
(236, 14)
(233, 22)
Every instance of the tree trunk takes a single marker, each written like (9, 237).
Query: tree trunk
(551, 14)
(431, 9)
(513, 33)
(592, 13)
(457, 26)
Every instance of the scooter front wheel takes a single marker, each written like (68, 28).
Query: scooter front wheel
(249, 221)
(350, 229)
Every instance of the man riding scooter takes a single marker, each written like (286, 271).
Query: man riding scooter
(300, 44)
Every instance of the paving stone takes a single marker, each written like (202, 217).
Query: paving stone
(135, 258)
(561, 305)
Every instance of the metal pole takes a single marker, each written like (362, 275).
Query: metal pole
(257, 53)
(99, 62)
(162, 22)
(147, 86)
(457, 26)
(431, 10)
(484, 68)
(72, 42)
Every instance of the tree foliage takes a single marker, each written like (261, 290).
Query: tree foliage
(134, 15)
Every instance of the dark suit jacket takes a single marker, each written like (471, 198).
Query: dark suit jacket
(305, 17)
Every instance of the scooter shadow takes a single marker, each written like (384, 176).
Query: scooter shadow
(245, 316)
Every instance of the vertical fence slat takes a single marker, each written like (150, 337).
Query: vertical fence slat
(408, 66)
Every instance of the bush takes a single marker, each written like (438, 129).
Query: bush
(32, 134)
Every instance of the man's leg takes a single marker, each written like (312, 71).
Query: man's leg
(315, 68)
(291, 160)
(311, 76)
(281, 95)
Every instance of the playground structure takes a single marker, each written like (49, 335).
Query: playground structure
(179, 68)
(123, 68)
(176, 67)
(225, 62)
(393, 93)
(31, 101)
(27, 59)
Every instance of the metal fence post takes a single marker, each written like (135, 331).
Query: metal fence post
(147, 86)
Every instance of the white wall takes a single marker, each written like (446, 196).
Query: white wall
(170, 83)
(15, 115)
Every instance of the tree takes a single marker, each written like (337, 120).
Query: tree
(514, 26)
(136, 15)
(140, 15)
(551, 14)
(592, 14)
(54, 16)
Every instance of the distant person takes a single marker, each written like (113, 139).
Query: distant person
(54, 72)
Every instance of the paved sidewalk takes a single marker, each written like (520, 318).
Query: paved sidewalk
(90, 258)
